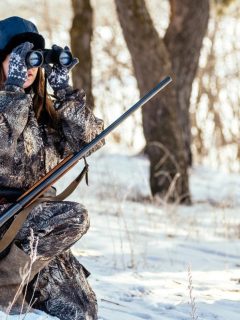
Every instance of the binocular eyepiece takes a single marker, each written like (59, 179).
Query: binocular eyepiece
(36, 58)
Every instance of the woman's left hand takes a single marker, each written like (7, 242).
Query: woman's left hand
(58, 75)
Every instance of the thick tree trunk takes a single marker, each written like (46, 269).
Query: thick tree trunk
(81, 35)
(183, 39)
(152, 59)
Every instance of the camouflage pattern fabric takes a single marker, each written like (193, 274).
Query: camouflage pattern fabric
(28, 150)
(61, 289)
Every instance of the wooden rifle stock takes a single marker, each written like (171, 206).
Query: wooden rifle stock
(58, 171)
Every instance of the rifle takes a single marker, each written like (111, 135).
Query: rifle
(31, 195)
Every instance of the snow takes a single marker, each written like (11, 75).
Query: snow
(139, 252)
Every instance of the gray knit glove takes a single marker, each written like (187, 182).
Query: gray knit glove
(17, 71)
(58, 75)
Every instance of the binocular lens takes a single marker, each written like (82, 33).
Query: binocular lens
(65, 58)
(35, 59)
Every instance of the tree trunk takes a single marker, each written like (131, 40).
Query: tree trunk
(81, 36)
(183, 39)
(166, 120)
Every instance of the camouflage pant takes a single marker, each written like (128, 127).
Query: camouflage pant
(60, 289)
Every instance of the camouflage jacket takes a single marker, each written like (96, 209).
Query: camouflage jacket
(28, 149)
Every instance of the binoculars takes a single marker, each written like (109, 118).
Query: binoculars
(35, 58)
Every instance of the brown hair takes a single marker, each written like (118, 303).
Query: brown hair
(2, 77)
(45, 114)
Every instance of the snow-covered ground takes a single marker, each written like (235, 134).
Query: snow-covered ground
(144, 257)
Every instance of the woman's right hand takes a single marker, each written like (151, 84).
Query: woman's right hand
(17, 69)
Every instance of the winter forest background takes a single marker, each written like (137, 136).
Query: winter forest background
(164, 241)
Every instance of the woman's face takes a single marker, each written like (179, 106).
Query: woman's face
(31, 73)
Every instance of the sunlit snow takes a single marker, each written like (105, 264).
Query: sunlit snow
(139, 252)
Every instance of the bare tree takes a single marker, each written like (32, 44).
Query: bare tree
(81, 36)
(215, 105)
(166, 120)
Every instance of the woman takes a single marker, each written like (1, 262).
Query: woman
(35, 136)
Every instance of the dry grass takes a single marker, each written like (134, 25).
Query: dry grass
(25, 273)
(192, 302)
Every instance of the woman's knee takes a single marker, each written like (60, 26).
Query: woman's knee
(58, 225)
(70, 218)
